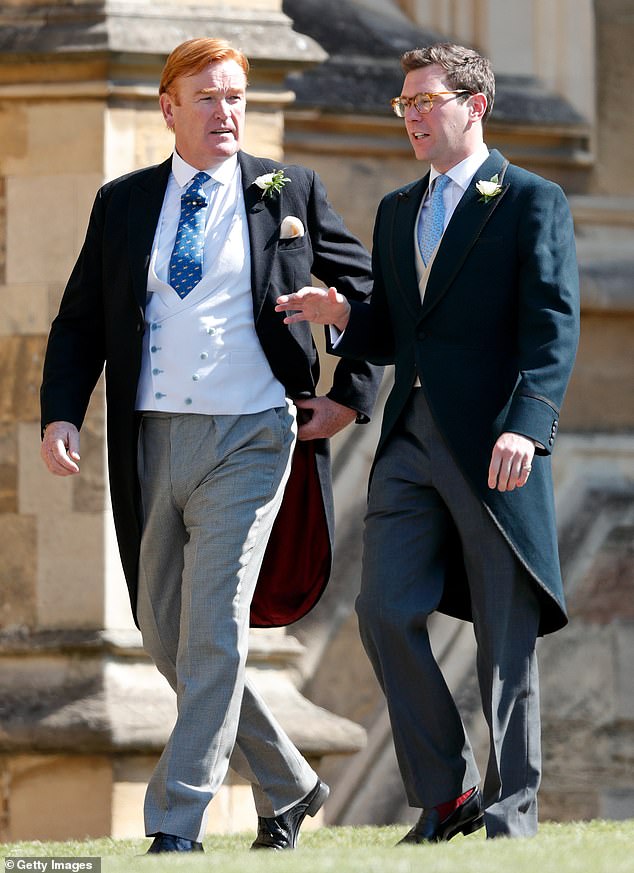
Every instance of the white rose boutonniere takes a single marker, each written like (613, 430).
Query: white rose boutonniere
(489, 189)
(271, 183)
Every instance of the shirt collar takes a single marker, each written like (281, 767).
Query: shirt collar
(184, 172)
(463, 173)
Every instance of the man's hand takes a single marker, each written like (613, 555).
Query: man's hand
(317, 305)
(322, 418)
(60, 448)
(511, 461)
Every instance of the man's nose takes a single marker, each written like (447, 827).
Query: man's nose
(221, 108)
(411, 113)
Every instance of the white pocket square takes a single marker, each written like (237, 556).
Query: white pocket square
(291, 227)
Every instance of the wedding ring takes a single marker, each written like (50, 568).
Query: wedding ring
(527, 467)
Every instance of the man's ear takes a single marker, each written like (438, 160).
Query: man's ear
(166, 102)
(477, 106)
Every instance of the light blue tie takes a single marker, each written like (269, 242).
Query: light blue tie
(431, 226)
(186, 262)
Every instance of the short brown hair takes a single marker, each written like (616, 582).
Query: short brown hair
(464, 68)
(193, 55)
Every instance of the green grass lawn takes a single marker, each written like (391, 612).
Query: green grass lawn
(585, 847)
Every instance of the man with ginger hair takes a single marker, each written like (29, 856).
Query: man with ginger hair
(217, 444)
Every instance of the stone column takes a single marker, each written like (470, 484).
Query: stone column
(588, 686)
(83, 713)
(614, 171)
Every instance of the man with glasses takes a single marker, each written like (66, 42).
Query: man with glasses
(475, 301)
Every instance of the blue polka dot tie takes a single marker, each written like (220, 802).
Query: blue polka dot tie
(186, 262)
(432, 222)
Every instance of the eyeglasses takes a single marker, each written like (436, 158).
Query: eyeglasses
(422, 103)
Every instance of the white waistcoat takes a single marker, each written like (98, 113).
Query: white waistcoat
(202, 354)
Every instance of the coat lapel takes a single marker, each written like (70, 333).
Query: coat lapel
(466, 225)
(263, 218)
(146, 201)
(402, 236)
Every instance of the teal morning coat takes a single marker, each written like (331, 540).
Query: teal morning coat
(493, 344)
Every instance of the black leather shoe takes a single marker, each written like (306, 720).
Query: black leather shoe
(282, 831)
(469, 817)
(170, 843)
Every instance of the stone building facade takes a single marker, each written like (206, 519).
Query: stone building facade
(82, 713)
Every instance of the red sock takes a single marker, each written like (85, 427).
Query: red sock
(445, 809)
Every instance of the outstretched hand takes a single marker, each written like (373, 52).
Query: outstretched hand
(317, 305)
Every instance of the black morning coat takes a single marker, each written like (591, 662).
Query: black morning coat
(101, 321)
(493, 343)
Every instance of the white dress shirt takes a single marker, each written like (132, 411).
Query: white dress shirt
(461, 177)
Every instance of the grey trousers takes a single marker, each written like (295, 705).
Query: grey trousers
(417, 493)
(211, 488)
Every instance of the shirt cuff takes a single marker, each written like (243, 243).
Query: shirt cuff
(335, 335)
